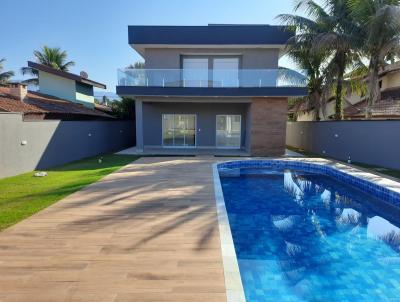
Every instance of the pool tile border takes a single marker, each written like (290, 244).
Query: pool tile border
(382, 187)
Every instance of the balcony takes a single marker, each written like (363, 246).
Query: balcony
(216, 82)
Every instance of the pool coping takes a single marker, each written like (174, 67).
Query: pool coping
(233, 282)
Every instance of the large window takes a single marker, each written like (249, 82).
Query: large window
(179, 130)
(226, 72)
(228, 131)
(210, 71)
(195, 72)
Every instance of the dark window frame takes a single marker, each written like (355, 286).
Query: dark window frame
(211, 58)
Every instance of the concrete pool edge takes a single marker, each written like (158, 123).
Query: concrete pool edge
(233, 283)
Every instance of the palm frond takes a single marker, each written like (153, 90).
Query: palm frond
(29, 71)
(311, 8)
(290, 77)
(299, 22)
(4, 76)
(53, 57)
(32, 81)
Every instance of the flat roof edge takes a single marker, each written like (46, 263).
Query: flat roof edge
(211, 92)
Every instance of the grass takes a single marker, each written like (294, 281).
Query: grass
(23, 195)
(374, 169)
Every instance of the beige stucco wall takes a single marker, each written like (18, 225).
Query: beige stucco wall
(391, 80)
(169, 58)
(57, 86)
(66, 89)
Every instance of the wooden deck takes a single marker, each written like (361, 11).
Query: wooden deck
(148, 232)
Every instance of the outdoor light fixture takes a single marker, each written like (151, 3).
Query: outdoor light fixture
(23, 143)
(336, 135)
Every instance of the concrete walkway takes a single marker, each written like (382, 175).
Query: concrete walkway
(148, 232)
(160, 151)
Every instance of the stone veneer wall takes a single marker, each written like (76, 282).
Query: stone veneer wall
(268, 126)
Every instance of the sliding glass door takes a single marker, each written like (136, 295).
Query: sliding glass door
(179, 130)
(195, 72)
(226, 72)
(228, 131)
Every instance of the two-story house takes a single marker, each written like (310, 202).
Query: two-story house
(210, 87)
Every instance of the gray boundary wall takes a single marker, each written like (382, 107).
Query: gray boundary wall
(50, 143)
(370, 142)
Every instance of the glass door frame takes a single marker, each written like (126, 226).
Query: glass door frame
(240, 132)
(226, 73)
(210, 57)
(178, 146)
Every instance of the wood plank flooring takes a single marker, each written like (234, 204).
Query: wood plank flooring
(148, 232)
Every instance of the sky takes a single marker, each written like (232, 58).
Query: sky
(95, 32)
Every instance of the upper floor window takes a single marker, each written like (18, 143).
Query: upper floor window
(210, 71)
(226, 72)
(195, 72)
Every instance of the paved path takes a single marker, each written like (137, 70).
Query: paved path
(145, 233)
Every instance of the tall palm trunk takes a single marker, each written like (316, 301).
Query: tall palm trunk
(316, 97)
(341, 62)
(373, 85)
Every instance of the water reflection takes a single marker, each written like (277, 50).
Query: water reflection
(298, 185)
(382, 229)
(302, 235)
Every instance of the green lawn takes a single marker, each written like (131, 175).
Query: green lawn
(23, 195)
(373, 168)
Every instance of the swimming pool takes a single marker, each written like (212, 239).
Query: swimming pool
(304, 232)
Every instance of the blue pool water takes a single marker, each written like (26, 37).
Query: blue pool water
(302, 236)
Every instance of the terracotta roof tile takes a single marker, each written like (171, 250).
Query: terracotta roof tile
(379, 109)
(36, 102)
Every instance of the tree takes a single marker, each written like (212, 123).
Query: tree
(311, 61)
(379, 26)
(6, 75)
(312, 64)
(136, 65)
(124, 108)
(335, 36)
(52, 57)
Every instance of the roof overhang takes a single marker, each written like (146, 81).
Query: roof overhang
(140, 48)
(211, 36)
(132, 91)
(66, 75)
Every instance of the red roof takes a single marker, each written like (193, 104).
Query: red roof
(36, 103)
(383, 109)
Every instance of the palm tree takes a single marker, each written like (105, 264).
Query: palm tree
(312, 64)
(341, 36)
(6, 75)
(336, 36)
(379, 23)
(52, 57)
(311, 61)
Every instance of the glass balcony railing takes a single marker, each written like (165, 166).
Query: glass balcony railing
(217, 78)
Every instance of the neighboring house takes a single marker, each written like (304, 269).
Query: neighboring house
(209, 87)
(103, 108)
(38, 106)
(388, 107)
(65, 85)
